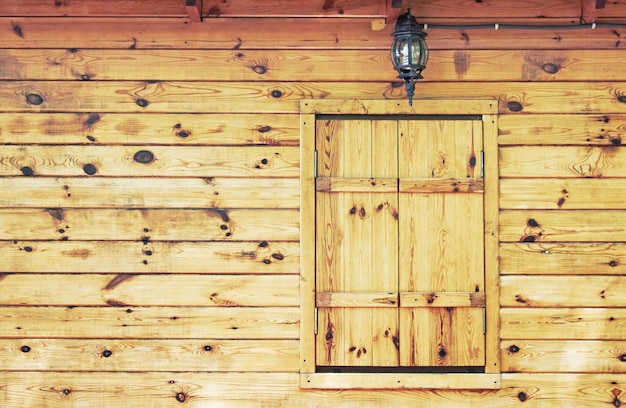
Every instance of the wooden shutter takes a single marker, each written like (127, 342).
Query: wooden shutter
(399, 243)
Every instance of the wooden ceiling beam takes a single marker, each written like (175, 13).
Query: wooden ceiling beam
(194, 10)
(590, 10)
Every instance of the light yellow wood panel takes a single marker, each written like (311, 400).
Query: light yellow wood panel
(149, 129)
(562, 161)
(572, 323)
(197, 65)
(321, 65)
(564, 129)
(149, 355)
(386, 381)
(140, 161)
(284, 97)
(363, 299)
(570, 194)
(150, 257)
(149, 290)
(563, 356)
(44, 192)
(281, 390)
(563, 291)
(561, 259)
(562, 226)
(149, 322)
(149, 225)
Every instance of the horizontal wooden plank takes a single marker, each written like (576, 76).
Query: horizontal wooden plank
(150, 161)
(562, 161)
(284, 97)
(368, 185)
(558, 193)
(149, 129)
(100, 192)
(321, 65)
(304, 33)
(149, 355)
(457, 8)
(148, 290)
(144, 256)
(281, 390)
(564, 129)
(92, 8)
(562, 226)
(150, 322)
(442, 299)
(449, 185)
(601, 258)
(573, 356)
(562, 291)
(433, 106)
(149, 225)
(562, 323)
(252, 8)
(380, 381)
(343, 299)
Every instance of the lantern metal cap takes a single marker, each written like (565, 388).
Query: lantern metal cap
(407, 23)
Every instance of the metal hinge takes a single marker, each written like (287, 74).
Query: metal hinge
(315, 321)
(315, 164)
(484, 321)
(482, 164)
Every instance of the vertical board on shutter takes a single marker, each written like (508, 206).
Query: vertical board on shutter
(441, 244)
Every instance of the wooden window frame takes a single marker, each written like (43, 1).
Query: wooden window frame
(309, 378)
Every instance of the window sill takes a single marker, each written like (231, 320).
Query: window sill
(455, 381)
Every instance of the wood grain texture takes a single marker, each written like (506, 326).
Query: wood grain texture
(174, 322)
(149, 355)
(143, 256)
(149, 290)
(563, 356)
(563, 323)
(556, 258)
(148, 129)
(56, 192)
(150, 225)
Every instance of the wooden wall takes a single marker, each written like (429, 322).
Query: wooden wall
(149, 206)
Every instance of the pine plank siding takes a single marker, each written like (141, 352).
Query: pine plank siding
(150, 230)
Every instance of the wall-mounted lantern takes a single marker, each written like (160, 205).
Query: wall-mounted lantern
(409, 52)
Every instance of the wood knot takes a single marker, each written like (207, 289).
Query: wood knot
(107, 353)
(34, 99)
(144, 157)
(90, 169)
(181, 397)
(25, 349)
(550, 68)
(513, 348)
(142, 102)
(515, 106)
(522, 396)
(27, 171)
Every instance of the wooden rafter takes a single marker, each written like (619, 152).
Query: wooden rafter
(194, 10)
(590, 10)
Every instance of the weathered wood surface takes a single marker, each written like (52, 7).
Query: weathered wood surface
(135, 390)
(560, 193)
(572, 129)
(100, 192)
(323, 65)
(143, 256)
(175, 322)
(134, 355)
(563, 323)
(562, 161)
(151, 8)
(145, 161)
(148, 290)
(561, 226)
(148, 129)
(313, 33)
(149, 225)
(544, 356)
(589, 258)
(284, 97)
(555, 291)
